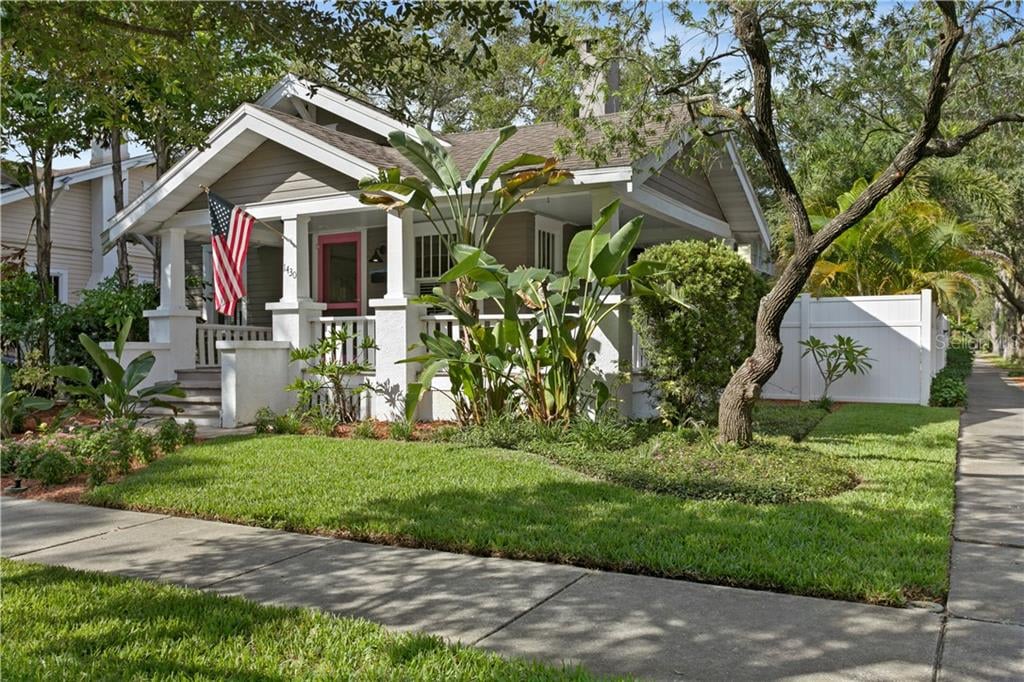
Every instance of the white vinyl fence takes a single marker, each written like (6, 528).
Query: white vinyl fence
(906, 334)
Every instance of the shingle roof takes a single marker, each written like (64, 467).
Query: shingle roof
(467, 147)
(380, 155)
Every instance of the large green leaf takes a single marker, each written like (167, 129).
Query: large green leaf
(582, 250)
(611, 258)
(79, 375)
(122, 337)
(110, 369)
(138, 369)
(466, 263)
(417, 156)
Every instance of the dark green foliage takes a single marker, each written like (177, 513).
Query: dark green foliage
(948, 389)
(188, 432)
(264, 420)
(21, 323)
(949, 385)
(99, 315)
(55, 465)
(692, 352)
(169, 436)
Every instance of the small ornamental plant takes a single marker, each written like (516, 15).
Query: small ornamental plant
(835, 360)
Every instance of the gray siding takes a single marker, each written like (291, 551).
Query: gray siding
(512, 243)
(692, 190)
(273, 172)
(263, 283)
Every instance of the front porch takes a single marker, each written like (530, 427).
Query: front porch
(352, 270)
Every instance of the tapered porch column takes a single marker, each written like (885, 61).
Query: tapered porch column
(397, 320)
(172, 322)
(612, 343)
(295, 312)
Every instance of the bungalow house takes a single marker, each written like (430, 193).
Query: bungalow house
(83, 203)
(293, 160)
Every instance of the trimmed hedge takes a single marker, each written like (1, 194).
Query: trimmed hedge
(949, 386)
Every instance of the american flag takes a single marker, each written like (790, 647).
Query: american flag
(230, 229)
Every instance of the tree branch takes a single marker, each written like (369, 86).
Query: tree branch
(946, 147)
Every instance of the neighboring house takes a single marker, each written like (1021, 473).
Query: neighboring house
(83, 203)
(293, 160)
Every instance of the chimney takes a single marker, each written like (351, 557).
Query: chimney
(600, 91)
(100, 152)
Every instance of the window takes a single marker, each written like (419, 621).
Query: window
(58, 283)
(548, 244)
(432, 257)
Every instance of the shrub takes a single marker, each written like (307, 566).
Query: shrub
(188, 432)
(364, 429)
(322, 421)
(286, 423)
(98, 315)
(145, 446)
(948, 389)
(264, 420)
(11, 452)
(55, 465)
(835, 360)
(400, 430)
(959, 361)
(168, 436)
(692, 352)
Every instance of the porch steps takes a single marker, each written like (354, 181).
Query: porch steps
(202, 400)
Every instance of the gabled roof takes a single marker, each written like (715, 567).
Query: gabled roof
(65, 177)
(363, 114)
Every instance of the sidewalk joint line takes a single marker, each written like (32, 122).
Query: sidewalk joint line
(1008, 545)
(206, 586)
(987, 620)
(88, 537)
(940, 645)
(543, 601)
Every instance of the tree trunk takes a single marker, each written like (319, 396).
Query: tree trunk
(735, 409)
(124, 276)
(42, 178)
(162, 156)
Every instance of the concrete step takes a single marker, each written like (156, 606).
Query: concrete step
(191, 410)
(193, 391)
(198, 398)
(200, 374)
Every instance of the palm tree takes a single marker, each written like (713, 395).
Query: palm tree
(908, 243)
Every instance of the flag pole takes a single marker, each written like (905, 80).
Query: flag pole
(269, 227)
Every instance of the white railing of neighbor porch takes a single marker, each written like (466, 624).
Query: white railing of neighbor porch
(207, 336)
(448, 325)
(358, 328)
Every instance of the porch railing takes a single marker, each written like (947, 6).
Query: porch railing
(207, 336)
(358, 328)
(448, 325)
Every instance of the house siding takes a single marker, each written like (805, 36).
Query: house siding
(71, 233)
(512, 243)
(274, 172)
(693, 190)
(263, 283)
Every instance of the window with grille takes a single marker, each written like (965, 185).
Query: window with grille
(432, 258)
(548, 247)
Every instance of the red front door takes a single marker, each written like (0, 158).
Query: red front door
(341, 273)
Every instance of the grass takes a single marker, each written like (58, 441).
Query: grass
(692, 465)
(1014, 366)
(64, 624)
(793, 421)
(885, 541)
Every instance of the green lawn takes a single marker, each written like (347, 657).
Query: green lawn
(887, 540)
(1014, 367)
(63, 624)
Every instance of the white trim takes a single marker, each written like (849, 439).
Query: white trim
(650, 201)
(247, 119)
(68, 179)
(62, 281)
(326, 98)
(544, 225)
(748, 191)
(594, 176)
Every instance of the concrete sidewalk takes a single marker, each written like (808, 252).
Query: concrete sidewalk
(984, 635)
(611, 623)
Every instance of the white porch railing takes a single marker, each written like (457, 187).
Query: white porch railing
(448, 325)
(207, 336)
(638, 362)
(358, 328)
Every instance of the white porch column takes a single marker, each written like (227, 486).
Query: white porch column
(612, 343)
(397, 320)
(172, 322)
(295, 312)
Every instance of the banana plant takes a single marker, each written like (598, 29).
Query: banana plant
(117, 395)
(542, 361)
